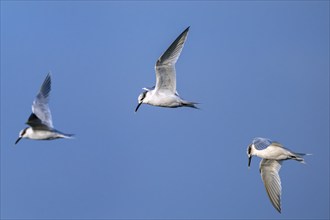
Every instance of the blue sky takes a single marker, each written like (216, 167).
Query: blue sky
(258, 68)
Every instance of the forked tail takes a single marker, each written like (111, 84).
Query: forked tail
(299, 157)
(190, 104)
(67, 136)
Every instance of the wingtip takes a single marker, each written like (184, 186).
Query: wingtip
(49, 75)
(278, 208)
(186, 30)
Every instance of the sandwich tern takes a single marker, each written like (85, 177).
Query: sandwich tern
(40, 121)
(272, 154)
(164, 94)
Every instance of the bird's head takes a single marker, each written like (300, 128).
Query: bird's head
(140, 99)
(21, 135)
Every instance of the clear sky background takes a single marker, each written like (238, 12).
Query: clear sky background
(258, 68)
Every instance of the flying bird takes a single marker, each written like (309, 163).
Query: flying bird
(40, 121)
(164, 94)
(272, 154)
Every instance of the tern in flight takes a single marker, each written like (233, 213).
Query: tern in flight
(272, 154)
(164, 94)
(40, 121)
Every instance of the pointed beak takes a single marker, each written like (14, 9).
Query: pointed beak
(138, 106)
(18, 139)
(250, 157)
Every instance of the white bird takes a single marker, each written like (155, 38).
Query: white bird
(40, 121)
(164, 94)
(273, 154)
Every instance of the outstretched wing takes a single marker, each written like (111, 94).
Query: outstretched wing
(165, 65)
(269, 174)
(40, 105)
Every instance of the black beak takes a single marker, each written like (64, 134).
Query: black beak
(250, 157)
(18, 139)
(138, 106)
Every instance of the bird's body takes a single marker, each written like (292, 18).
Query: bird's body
(164, 94)
(272, 154)
(36, 134)
(164, 99)
(276, 152)
(40, 120)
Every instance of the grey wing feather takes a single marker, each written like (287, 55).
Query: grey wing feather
(261, 143)
(165, 65)
(269, 170)
(277, 144)
(40, 104)
(166, 78)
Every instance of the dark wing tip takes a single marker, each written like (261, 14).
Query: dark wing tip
(278, 208)
(185, 31)
(46, 85)
(173, 51)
